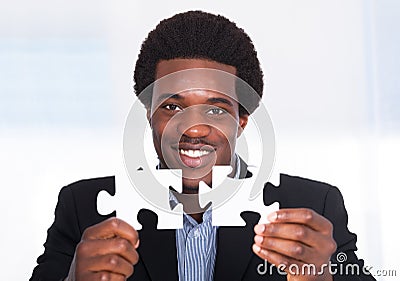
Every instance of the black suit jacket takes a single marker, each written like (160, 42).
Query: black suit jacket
(76, 210)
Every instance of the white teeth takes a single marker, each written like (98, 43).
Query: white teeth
(194, 153)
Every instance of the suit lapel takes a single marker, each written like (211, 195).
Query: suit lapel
(234, 249)
(157, 249)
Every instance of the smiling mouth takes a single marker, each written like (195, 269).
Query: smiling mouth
(195, 156)
(194, 153)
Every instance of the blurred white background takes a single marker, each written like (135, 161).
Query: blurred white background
(332, 89)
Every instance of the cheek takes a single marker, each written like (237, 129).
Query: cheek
(157, 132)
(158, 124)
(227, 133)
(163, 135)
(226, 142)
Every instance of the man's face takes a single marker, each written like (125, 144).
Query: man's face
(195, 118)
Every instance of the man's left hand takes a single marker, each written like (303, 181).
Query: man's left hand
(294, 241)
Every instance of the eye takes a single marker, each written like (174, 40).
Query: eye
(216, 111)
(172, 107)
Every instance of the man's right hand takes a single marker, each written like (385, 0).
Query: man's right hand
(107, 251)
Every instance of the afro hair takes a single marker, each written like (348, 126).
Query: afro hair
(200, 35)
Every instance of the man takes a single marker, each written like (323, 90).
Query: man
(200, 127)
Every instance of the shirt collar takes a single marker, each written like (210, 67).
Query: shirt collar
(173, 201)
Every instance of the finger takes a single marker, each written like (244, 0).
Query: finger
(118, 246)
(103, 276)
(276, 259)
(287, 264)
(112, 263)
(110, 228)
(302, 216)
(289, 248)
(290, 231)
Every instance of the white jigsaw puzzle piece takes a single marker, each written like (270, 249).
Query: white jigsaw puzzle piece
(227, 212)
(127, 202)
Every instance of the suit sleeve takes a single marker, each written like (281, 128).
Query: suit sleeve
(345, 263)
(62, 238)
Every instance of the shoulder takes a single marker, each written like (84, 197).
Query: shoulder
(80, 198)
(303, 184)
(92, 184)
(87, 188)
(299, 192)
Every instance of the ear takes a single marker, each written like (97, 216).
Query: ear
(243, 118)
(148, 115)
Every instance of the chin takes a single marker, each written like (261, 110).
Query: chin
(190, 190)
(191, 185)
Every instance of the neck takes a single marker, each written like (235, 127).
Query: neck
(191, 205)
(198, 217)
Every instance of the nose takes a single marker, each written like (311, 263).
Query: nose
(193, 125)
(196, 131)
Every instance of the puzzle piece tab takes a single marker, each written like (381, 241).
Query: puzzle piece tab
(226, 211)
(127, 202)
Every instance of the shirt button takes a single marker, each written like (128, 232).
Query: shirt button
(196, 233)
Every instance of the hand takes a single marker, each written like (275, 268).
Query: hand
(107, 251)
(296, 237)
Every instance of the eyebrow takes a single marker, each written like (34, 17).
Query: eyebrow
(166, 96)
(220, 100)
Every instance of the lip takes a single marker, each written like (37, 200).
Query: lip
(194, 156)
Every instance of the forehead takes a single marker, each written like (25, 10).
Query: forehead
(166, 67)
(180, 76)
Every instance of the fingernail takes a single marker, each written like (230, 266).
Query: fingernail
(259, 228)
(137, 244)
(258, 239)
(256, 248)
(273, 216)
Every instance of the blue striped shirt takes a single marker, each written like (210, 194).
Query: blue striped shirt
(196, 248)
(196, 244)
